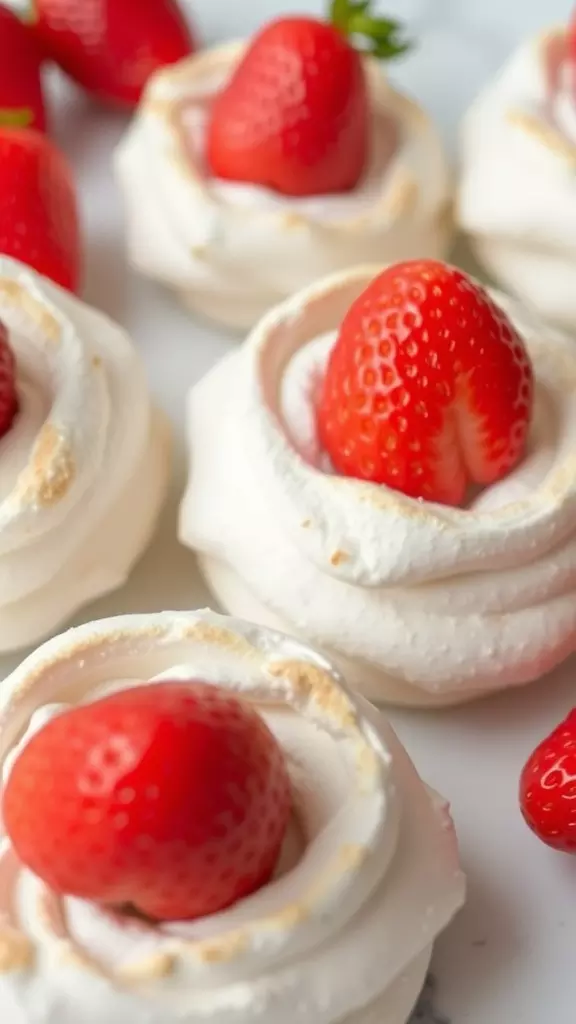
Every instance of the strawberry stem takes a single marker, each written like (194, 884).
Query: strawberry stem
(380, 37)
(15, 117)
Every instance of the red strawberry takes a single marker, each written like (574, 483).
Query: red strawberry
(20, 82)
(564, 46)
(170, 797)
(8, 396)
(428, 387)
(295, 116)
(38, 213)
(111, 47)
(548, 788)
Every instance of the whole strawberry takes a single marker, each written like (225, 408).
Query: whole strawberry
(38, 210)
(295, 115)
(564, 48)
(21, 96)
(548, 788)
(8, 395)
(428, 387)
(111, 47)
(172, 798)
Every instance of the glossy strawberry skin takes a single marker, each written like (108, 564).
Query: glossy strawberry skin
(20, 70)
(171, 797)
(39, 222)
(429, 386)
(548, 788)
(111, 47)
(8, 394)
(294, 116)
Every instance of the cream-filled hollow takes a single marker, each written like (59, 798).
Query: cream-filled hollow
(368, 877)
(83, 470)
(517, 191)
(233, 250)
(417, 603)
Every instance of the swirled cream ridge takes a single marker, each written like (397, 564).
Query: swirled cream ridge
(517, 192)
(417, 602)
(234, 250)
(83, 471)
(368, 877)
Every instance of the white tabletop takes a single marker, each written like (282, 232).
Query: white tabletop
(509, 957)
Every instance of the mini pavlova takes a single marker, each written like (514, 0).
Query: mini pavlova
(517, 192)
(84, 456)
(215, 829)
(386, 469)
(252, 169)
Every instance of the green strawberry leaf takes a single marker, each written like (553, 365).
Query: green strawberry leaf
(380, 37)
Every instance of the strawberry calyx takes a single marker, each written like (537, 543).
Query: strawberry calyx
(16, 117)
(379, 37)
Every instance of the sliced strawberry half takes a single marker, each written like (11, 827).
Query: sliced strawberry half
(429, 386)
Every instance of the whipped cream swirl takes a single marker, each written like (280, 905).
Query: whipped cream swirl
(83, 469)
(517, 196)
(234, 250)
(417, 602)
(368, 877)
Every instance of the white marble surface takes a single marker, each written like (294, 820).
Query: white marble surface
(509, 958)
